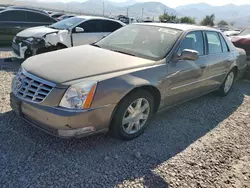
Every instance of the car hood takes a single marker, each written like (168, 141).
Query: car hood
(80, 62)
(36, 31)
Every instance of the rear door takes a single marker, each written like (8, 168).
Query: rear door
(218, 58)
(11, 22)
(93, 31)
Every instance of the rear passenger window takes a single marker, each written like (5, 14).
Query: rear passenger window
(193, 41)
(110, 26)
(223, 44)
(214, 45)
(13, 15)
(92, 26)
(36, 17)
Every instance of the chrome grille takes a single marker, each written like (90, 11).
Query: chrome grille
(31, 88)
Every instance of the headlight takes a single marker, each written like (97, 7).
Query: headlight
(33, 39)
(79, 96)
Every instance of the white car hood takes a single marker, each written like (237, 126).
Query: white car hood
(36, 31)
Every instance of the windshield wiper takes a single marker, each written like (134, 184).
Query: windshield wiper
(96, 45)
(51, 27)
(122, 52)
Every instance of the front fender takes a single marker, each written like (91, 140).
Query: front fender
(112, 90)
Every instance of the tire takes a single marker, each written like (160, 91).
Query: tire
(225, 88)
(119, 128)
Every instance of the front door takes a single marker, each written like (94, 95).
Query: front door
(93, 31)
(186, 78)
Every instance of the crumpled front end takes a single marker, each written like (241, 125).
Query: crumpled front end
(26, 47)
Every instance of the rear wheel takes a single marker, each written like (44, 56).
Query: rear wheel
(132, 115)
(227, 84)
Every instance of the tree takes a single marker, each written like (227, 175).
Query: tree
(187, 19)
(208, 20)
(168, 18)
(232, 23)
(222, 23)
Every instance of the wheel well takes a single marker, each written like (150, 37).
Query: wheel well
(153, 91)
(235, 69)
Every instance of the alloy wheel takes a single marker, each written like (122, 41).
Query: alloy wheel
(136, 116)
(229, 82)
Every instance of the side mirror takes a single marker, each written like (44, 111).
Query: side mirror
(79, 30)
(188, 54)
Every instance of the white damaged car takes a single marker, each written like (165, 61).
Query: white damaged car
(67, 33)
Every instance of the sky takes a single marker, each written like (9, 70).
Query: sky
(175, 3)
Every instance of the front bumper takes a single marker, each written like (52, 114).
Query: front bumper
(61, 122)
(18, 51)
(25, 48)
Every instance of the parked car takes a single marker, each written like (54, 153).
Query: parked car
(12, 21)
(231, 33)
(49, 12)
(119, 82)
(243, 41)
(126, 20)
(56, 15)
(70, 32)
(65, 17)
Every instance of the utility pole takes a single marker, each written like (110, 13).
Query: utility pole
(127, 12)
(103, 6)
(142, 11)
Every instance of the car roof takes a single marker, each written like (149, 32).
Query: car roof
(183, 27)
(25, 9)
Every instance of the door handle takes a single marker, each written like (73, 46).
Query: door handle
(18, 27)
(203, 66)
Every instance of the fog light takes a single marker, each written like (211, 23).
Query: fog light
(75, 132)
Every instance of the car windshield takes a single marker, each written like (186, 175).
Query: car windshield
(151, 42)
(67, 23)
(245, 32)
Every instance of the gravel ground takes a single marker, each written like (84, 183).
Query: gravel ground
(202, 143)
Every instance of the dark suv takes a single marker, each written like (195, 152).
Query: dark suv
(12, 21)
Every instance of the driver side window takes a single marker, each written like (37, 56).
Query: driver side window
(193, 41)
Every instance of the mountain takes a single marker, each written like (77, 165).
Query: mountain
(239, 14)
(95, 7)
(199, 6)
(150, 9)
(125, 3)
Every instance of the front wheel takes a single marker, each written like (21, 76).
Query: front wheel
(132, 115)
(227, 84)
